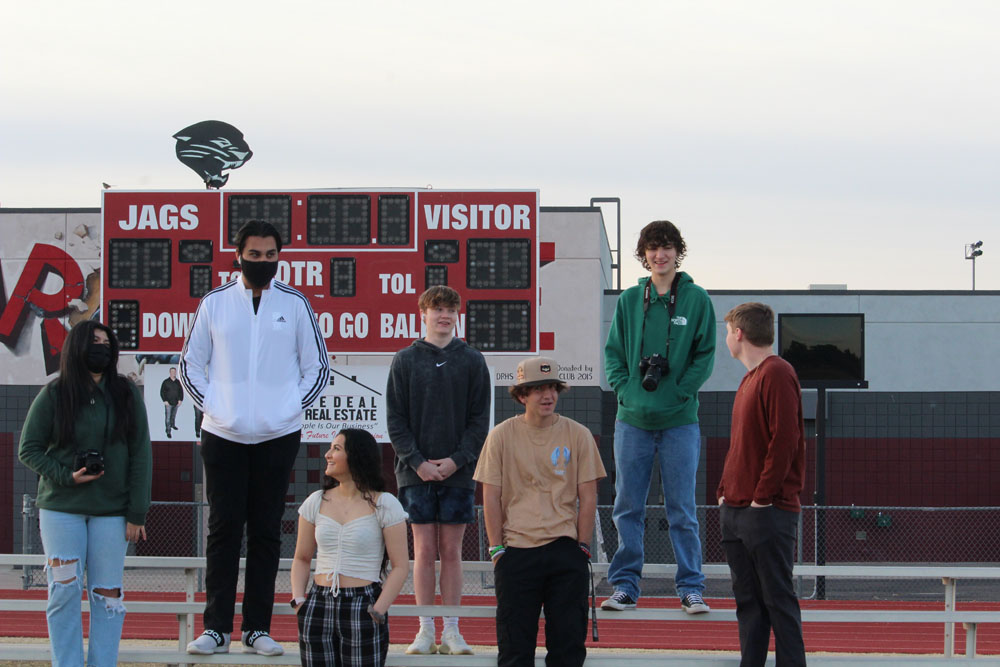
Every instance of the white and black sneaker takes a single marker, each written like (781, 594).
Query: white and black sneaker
(619, 601)
(261, 643)
(209, 642)
(693, 603)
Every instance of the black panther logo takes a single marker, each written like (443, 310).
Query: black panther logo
(211, 147)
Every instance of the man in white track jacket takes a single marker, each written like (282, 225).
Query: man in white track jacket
(254, 359)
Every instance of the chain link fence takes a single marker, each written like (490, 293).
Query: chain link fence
(827, 535)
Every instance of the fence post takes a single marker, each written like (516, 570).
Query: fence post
(27, 543)
(598, 550)
(483, 547)
(970, 639)
(799, 541)
(200, 537)
(187, 627)
(949, 605)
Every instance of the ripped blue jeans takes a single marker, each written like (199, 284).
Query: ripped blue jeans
(95, 545)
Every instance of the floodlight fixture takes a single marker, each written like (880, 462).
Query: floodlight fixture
(972, 251)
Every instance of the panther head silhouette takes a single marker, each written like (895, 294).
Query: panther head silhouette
(211, 147)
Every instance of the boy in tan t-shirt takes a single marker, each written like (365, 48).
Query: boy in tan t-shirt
(539, 473)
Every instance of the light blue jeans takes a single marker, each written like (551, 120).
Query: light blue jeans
(97, 545)
(636, 451)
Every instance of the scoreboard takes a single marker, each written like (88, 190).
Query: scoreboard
(361, 257)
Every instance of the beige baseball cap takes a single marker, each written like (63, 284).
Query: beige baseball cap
(538, 370)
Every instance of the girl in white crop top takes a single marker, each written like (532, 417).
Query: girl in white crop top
(352, 527)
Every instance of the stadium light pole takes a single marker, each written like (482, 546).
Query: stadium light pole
(973, 250)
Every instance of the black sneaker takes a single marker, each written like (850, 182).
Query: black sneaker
(619, 601)
(693, 603)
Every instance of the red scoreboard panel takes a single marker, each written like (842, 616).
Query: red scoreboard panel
(361, 257)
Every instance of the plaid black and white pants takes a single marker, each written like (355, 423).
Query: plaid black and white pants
(337, 629)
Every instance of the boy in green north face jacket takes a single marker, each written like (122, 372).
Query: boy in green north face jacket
(660, 351)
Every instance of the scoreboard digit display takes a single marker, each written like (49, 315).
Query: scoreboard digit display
(200, 281)
(361, 257)
(139, 263)
(498, 263)
(339, 220)
(342, 273)
(194, 251)
(441, 251)
(276, 209)
(393, 220)
(500, 325)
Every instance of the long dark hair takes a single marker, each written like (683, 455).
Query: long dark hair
(75, 385)
(364, 460)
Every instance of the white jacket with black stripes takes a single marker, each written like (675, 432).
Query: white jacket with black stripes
(253, 374)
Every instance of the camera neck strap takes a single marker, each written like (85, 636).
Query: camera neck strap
(647, 297)
(107, 415)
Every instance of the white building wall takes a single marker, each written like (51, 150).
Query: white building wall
(914, 341)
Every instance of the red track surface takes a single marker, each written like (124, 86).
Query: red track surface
(832, 637)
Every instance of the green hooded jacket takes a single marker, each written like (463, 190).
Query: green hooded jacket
(123, 489)
(692, 354)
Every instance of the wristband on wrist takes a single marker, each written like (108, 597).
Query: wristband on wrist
(585, 548)
(295, 602)
(497, 550)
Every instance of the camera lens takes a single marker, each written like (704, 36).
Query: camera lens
(652, 378)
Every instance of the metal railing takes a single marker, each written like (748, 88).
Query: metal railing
(854, 536)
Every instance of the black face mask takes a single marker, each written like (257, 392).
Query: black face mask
(258, 274)
(98, 357)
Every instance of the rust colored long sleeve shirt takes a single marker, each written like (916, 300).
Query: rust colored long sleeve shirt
(767, 450)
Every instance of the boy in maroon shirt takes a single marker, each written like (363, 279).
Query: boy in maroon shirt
(759, 490)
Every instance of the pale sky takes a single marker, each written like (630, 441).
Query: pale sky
(792, 141)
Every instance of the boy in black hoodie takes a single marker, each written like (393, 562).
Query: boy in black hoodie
(438, 401)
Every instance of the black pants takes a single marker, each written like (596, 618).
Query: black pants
(759, 545)
(553, 576)
(245, 484)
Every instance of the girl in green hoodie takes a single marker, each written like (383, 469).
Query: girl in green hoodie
(87, 438)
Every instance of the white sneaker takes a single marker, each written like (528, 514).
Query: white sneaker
(261, 643)
(209, 642)
(452, 643)
(423, 643)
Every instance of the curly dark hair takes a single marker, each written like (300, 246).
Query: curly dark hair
(74, 386)
(520, 393)
(660, 233)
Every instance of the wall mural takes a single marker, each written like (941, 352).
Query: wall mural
(49, 280)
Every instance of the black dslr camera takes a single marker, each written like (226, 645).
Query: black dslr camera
(91, 459)
(652, 369)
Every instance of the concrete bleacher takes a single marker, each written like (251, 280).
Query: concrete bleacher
(489, 659)
(185, 611)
